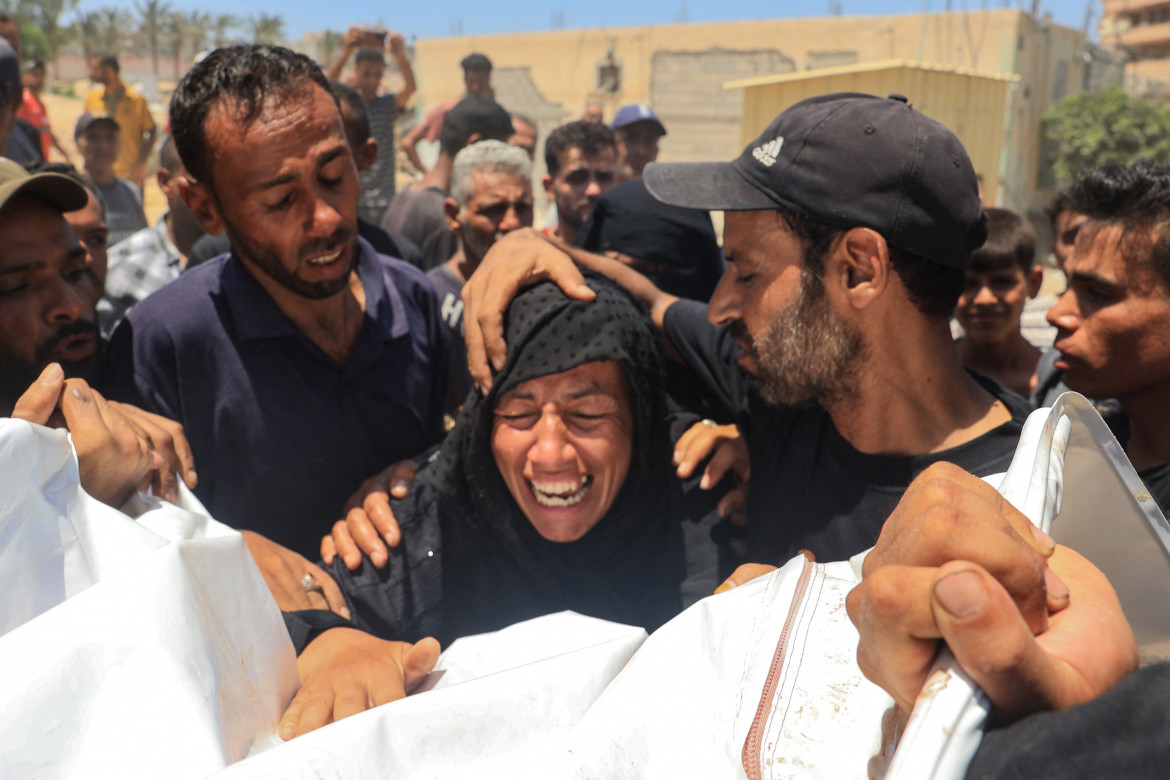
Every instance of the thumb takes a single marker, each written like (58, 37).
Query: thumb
(570, 279)
(991, 640)
(418, 660)
(39, 401)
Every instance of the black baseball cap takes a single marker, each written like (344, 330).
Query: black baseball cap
(847, 160)
(88, 120)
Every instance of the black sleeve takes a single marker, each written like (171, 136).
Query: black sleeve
(1119, 734)
(709, 351)
(401, 601)
(308, 624)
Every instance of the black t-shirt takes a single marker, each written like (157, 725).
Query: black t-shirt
(810, 488)
(449, 287)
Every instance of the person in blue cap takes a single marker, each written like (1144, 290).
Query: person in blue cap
(636, 128)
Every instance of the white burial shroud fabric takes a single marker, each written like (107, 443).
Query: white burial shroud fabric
(150, 648)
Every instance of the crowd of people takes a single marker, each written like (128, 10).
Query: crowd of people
(431, 419)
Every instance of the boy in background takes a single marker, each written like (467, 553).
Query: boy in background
(1002, 276)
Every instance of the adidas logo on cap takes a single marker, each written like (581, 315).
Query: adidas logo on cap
(768, 152)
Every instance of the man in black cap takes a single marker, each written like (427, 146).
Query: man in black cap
(848, 224)
(417, 211)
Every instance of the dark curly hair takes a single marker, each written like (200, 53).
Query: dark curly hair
(246, 76)
(1136, 197)
(589, 137)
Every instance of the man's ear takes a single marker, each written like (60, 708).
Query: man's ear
(859, 263)
(547, 181)
(203, 205)
(451, 212)
(473, 138)
(165, 179)
(1034, 278)
(365, 155)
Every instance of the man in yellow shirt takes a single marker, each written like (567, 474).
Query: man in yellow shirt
(129, 110)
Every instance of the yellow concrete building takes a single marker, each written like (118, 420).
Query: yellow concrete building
(1140, 29)
(681, 71)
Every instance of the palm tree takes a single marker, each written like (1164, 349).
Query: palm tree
(152, 16)
(220, 27)
(115, 28)
(45, 15)
(176, 31)
(87, 28)
(266, 28)
(198, 24)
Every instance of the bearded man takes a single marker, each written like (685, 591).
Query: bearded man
(848, 226)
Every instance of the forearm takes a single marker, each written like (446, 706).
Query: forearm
(408, 149)
(642, 288)
(333, 72)
(57, 145)
(408, 83)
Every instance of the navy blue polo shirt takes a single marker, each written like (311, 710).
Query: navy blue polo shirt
(281, 434)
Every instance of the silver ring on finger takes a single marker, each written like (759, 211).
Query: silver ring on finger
(310, 584)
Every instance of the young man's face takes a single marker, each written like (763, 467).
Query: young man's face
(993, 299)
(97, 74)
(46, 304)
(637, 145)
(369, 78)
(1114, 322)
(99, 146)
(580, 181)
(499, 203)
(34, 79)
(477, 82)
(286, 190)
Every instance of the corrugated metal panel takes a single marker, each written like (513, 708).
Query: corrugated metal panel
(972, 106)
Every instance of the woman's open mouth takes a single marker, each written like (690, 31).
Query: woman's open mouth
(561, 493)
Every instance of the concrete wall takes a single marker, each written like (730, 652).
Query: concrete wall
(971, 106)
(679, 68)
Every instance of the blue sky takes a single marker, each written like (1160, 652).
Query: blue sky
(439, 19)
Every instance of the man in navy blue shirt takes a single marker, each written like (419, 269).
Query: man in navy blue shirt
(302, 362)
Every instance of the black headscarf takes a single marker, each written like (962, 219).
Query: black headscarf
(628, 219)
(496, 569)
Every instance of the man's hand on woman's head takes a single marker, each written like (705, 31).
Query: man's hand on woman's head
(1035, 625)
(519, 259)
